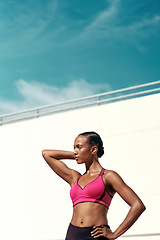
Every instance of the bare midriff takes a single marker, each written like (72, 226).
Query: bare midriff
(89, 214)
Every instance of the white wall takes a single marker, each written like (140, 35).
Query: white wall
(35, 203)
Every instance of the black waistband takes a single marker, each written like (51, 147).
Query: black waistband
(91, 227)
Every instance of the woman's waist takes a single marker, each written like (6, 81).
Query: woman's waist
(88, 227)
(89, 214)
(88, 222)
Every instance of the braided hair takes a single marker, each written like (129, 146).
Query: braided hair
(94, 139)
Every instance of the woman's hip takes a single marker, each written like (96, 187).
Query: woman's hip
(81, 233)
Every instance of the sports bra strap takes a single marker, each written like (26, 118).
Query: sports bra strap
(78, 178)
(102, 171)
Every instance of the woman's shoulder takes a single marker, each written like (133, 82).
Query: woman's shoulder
(109, 173)
(111, 176)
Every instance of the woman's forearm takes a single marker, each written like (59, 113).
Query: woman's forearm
(59, 154)
(133, 214)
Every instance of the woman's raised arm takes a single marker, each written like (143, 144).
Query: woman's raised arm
(53, 157)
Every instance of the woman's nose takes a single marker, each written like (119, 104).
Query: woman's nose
(75, 151)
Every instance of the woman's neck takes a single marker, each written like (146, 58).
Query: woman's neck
(93, 167)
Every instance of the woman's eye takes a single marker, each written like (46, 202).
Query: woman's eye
(78, 147)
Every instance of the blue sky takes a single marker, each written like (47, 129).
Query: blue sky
(56, 50)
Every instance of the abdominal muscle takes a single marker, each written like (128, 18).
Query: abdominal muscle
(89, 214)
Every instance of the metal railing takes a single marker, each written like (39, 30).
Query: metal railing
(95, 100)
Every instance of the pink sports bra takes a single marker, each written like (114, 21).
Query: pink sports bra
(94, 191)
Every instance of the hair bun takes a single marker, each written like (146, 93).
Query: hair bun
(100, 152)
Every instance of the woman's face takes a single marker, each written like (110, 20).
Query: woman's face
(82, 150)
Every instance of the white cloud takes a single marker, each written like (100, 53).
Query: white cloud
(104, 17)
(97, 27)
(8, 106)
(25, 27)
(137, 32)
(137, 27)
(107, 25)
(35, 94)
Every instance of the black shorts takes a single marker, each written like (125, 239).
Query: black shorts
(81, 233)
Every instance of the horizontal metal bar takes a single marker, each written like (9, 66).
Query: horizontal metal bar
(36, 112)
(85, 98)
(131, 95)
(48, 112)
(80, 106)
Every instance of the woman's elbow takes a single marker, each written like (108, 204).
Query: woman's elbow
(143, 207)
(44, 152)
(140, 206)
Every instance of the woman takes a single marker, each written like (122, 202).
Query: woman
(92, 192)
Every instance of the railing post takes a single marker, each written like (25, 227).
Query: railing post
(99, 98)
(37, 113)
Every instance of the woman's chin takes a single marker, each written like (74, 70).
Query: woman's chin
(79, 162)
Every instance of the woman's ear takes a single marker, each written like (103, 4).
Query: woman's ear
(94, 149)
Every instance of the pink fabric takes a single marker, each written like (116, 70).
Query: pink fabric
(94, 192)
